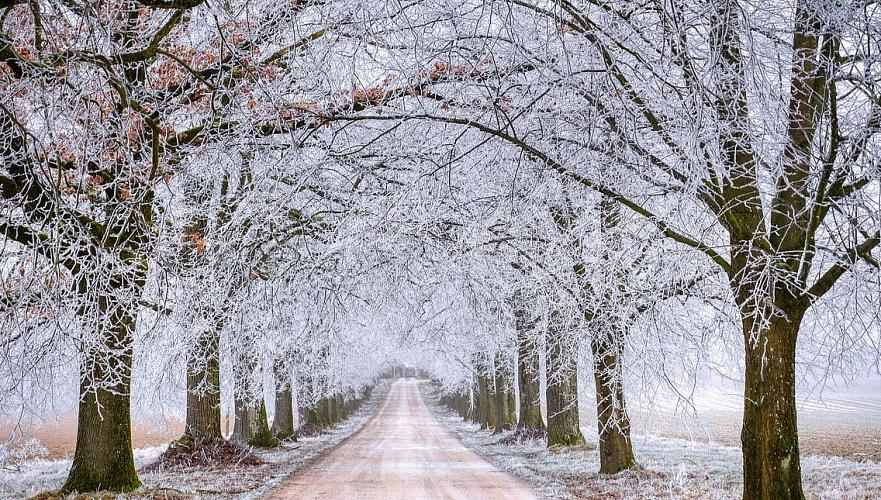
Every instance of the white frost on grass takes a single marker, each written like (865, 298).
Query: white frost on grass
(670, 468)
(34, 476)
(30, 477)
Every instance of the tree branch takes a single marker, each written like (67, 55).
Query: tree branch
(662, 226)
(828, 279)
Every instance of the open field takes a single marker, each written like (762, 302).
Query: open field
(844, 422)
(59, 436)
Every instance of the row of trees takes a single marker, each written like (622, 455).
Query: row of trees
(151, 220)
(747, 136)
(225, 194)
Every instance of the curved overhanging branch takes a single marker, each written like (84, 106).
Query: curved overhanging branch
(171, 4)
(862, 251)
(561, 169)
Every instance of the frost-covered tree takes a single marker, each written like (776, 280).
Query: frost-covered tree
(96, 100)
(747, 134)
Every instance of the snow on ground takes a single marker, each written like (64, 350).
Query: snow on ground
(30, 477)
(27, 478)
(670, 468)
(841, 421)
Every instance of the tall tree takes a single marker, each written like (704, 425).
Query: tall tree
(84, 184)
(501, 381)
(283, 423)
(562, 383)
(529, 423)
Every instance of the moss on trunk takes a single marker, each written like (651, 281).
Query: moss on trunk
(771, 460)
(251, 426)
(103, 457)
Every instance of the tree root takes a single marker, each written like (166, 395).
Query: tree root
(287, 437)
(307, 430)
(559, 448)
(187, 452)
(522, 435)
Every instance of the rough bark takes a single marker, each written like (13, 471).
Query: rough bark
(484, 410)
(771, 461)
(203, 444)
(103, 457)
(283, 423)
(613, 423)
(607, 345)
(530, 422)
(251, 425)
(784, 237)
(202, 436)
(500, 401)
(203, 389)
(562, 388)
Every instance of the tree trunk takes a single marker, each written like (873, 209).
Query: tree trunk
(479, 412)
(474, 402)
(339, 408)
(562, 388)
(331, 411)
(310, 421)
(263, 438)
(771, 462)
(511, 403)
(203, 389)
(530, 422)
(302, 413)
(607, 345)
(103, 457)
(283, 423)
(313, 416)
(484, 402)
(324, 413)
(461, 405)
(613, 423)
(500, 397)
(251, 425)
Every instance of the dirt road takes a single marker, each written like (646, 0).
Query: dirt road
(403, 452)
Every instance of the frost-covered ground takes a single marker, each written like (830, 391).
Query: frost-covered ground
(840, 421)
(670, 467)
(31, 477)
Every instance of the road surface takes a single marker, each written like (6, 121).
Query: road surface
(403, 452)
